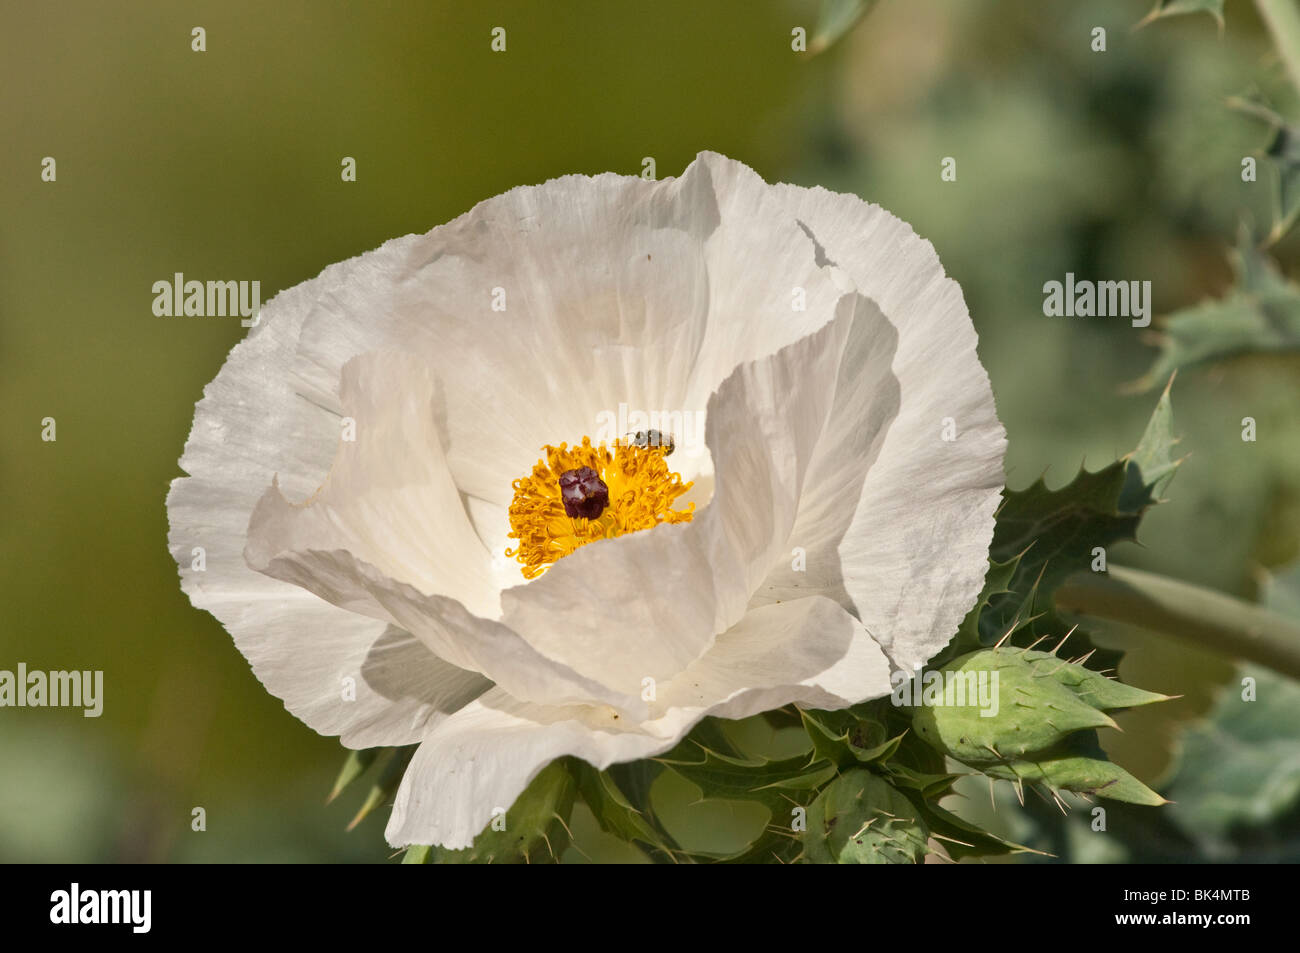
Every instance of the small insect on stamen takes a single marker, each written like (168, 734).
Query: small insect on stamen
(653, 438)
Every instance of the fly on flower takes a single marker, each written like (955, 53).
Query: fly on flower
(653, 438)
(377, 561)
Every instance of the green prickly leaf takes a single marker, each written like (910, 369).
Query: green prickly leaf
(837, 18)
(750, 779)
(787, 717)
(355, 765)
(997, 583)
(1030, 712)
(1282, 154)
(710, 735)
(860, 818)
(1106, 694)
(774, 845)
(611, 808)
(962, 839)
(634, 779)
(536, 825)
(844, 739)
(1170, 8)
(1078, 765)
(1053, 533)
(1093, 776)
(392, 765)
(1153, 457)
(931, 787)
(1260, 313)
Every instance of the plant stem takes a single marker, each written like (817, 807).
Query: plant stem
(1283, 21)
(1210, 619)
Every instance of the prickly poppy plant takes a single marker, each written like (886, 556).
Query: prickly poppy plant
(528, 508)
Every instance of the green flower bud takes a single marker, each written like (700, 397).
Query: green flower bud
(999, 704)
(861, 819)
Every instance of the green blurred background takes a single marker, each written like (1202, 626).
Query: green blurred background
(226, 164)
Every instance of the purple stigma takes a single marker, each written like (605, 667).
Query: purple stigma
(584, 493)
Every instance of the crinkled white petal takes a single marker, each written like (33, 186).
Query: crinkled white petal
(913, 557)
(810, 652)
(389, 498)
(650, 603)
(543, 309)
(386, 536)
(250, 425)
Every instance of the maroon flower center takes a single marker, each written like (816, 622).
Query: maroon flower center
(584, 493)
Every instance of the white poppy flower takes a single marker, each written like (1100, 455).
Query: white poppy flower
(359, 465)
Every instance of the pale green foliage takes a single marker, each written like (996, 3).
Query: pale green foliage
(1169, 8)
(1260, 313)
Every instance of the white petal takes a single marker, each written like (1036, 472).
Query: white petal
(386, 536)
(650, 603)
(251, 424)
(389, 498)
(616, 291)
(914, 557)
(486, 757)
(809, 652)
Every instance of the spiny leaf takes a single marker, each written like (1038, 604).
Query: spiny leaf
(768, 782)
(1170, 8)
(775, 845)
(1282, 155)
(997, 584)
(1084, 773)
(634, 779)
(844, 739)
(392, 765)
(1049, 534)
(1107, 694)
(1053, 532)
(1260, 313)
(836, 19)
(710, 734)
(355, 765)
(1154, 457)
(612, 810)
(931, 787)
(962, 839)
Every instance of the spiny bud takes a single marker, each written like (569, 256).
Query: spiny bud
(860, 818)
(997, 704)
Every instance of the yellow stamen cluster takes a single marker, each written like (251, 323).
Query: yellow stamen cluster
(641, 494)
